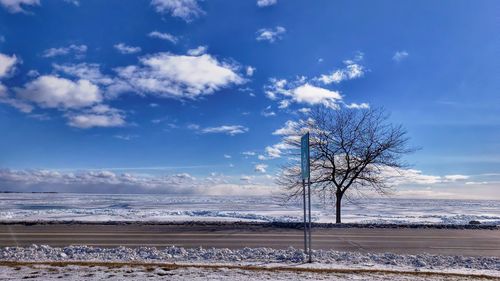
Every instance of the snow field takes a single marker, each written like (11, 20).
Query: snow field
(165, 208)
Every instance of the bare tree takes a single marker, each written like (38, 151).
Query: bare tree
(351, 149)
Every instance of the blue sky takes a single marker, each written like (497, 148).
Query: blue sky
(194, 90)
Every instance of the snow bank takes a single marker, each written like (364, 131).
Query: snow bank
(266, 255)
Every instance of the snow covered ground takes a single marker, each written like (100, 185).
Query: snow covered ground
(78, 273)
(99, 207)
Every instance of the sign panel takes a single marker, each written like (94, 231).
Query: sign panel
(304, 152)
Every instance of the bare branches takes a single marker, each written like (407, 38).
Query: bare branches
(349, 149)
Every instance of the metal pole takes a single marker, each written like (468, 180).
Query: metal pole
(305, 224)
(310, 223)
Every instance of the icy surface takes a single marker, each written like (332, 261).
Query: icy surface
(77, 273)
(89, 207)
(262, 255)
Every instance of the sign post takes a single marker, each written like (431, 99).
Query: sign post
(305, 174)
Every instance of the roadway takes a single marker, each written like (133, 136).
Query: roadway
(397, 240)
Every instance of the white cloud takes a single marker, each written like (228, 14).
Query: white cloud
(284, 104)
(200, 50)
(163, 36)
(33, 73)
(275, 151)
(290, 128)
(304, 110)
(455, 177)
(184, 9)
(78, 50)
(270, 34)
(268, 112)
(299, 91)
(7, 64)
(476, 182)
(225, 129)
(125, 49)
(352, 70)
(353, 105)
(416, 177)
(227, 156)
(125, 137)
(261, 168)
(80, 100)
(17, 6)
(399, 56)
(290, 131)
(409, 176)
(87, 71)
(98, 116)
(53, 92)
(4, 98)
(248, 153)
(20, 105)
(265, 3)
(313, 95)
(179, 76)
(250, 70)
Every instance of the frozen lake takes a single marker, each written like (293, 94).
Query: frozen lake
(133, 207)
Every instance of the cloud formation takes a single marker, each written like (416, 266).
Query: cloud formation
(178, 76)
(103, 181)
(49, 91)
(98, 116)
(164, 36)
(300, 92)
(311, 91)
(260, 168)
(200, 50)
(187, 10)
(266, 3)
(86, 71)
(352, 70)
(125, 49)
(315, 95)
(80, 100)
(250, 70)
(231, 130)
(7, 64)
(78, 50)
(399, 56)
(17, 6)
(354, 105)
(270, 34)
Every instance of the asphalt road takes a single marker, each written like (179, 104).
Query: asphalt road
(399, 240)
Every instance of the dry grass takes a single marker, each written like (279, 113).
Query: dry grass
(173, 266)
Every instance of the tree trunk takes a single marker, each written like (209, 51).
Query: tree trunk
(337, 205)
